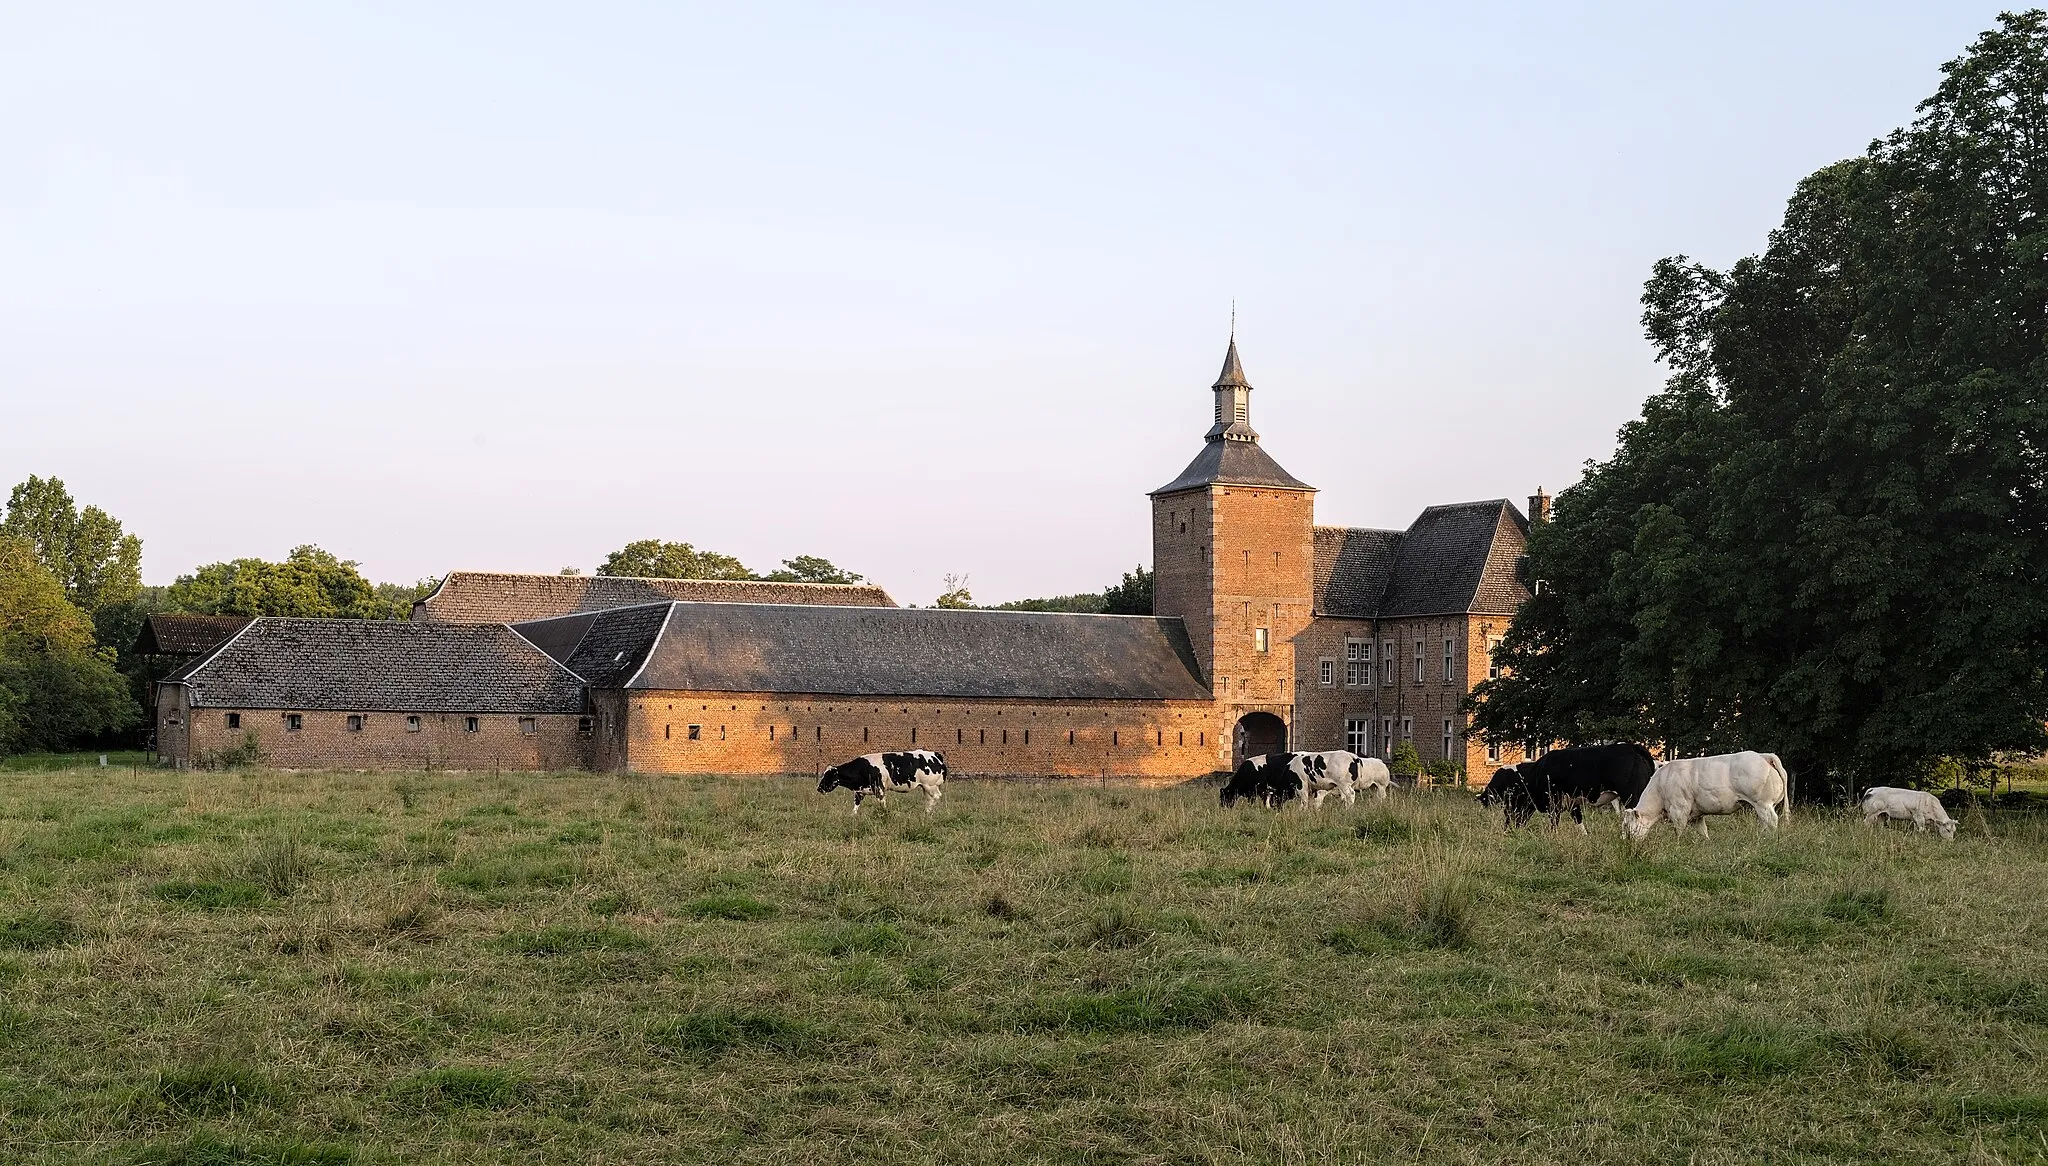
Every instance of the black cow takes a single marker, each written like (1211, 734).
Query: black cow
(881, 774)
(1276, 778)
(1567, 780)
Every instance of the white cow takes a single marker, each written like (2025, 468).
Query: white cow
(1906, 805)
(1688, 790)
(1347, 775)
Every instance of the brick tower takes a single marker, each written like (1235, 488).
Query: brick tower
(1232, 556)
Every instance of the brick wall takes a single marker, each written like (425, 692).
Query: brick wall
(1231, 560)
(778, 733)
(324, 740)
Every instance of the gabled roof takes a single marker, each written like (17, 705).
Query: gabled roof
(176, 634)
(605, 648)
(504, 597)
(1233, 463)
(886, 652)
(1461, 558)
(1352, 569)
(360, 665)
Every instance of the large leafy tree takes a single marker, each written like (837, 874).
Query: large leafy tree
(57, 689)
(651, 558)
(811, 569)
(1828, 536)
(310, 582)
(98, 564)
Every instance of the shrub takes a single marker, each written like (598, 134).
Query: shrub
(1405, 762)
(238, 756)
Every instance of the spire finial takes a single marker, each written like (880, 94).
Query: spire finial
(1233, 319)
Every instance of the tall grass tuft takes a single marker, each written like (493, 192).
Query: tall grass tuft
(279, 865)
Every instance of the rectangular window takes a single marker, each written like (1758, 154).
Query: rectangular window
(528, 726)
(1407, 728)
(1260, 640)
(1450, 667)
(1386, 737)
(471, 724)
(1448, 756)
(293, 722)
(1493, 752)
(1355, 735)
(355, 722)
(1493, 664)
(412, 723)
(1387, 656)
(234, 720)
(584, 726)
(696, 732)
(1357, 663)
(1418, 661)
(1327, 671)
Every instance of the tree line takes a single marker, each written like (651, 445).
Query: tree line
(1827, 536)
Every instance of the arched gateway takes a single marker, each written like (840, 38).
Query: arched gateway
(1257, 734)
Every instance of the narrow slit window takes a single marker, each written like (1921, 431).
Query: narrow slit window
(1115, 737)
(1450, 666)
(667, 732)
(863, 734)
(821, 732)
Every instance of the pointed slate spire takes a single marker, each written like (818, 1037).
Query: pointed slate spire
(1233, 400)
(1232, 376)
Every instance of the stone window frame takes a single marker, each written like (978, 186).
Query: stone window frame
(412, 723)
(1408, 729)
(693, 732)
(234, 720)
(1449, 736)
(1386, 737)
(1387, 655)
(529, 726)
(1357, 663)
(1358, 735)
(1418, 660)
(1262, 640)
(293, 722)
(1492, 664)
(1326, 671)
(1450, 660)
(472, 724)
(356, 722)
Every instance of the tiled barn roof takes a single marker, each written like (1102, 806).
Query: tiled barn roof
(360, 665)
(504, 597)
(176, 634)
(896, 652)
(1233, 463)
(1352, 568)
(1459, 558)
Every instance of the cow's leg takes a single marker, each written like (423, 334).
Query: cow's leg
(932, 794)
(1348, 794)
(1767, 815)
(857, 796)
(1919, 824)
(1702, 820)
(1381, 789)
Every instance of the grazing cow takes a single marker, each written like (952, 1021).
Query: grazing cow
(1687, 790)
(1906, 805)
(1277, 777)
(882, 774)
(1570, 779)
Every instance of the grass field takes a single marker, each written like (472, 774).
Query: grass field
(306, 968)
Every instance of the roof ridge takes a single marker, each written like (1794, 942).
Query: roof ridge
(650, 579)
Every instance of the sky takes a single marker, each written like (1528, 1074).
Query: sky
(923, 289)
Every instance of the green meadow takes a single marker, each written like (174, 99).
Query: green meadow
(260, 967)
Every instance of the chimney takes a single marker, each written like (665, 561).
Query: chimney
(1539, 506)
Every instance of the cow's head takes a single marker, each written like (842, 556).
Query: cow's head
(833, 779)
(1635, 824)
(1504, 779)
(1242, 784)
(1947, 826)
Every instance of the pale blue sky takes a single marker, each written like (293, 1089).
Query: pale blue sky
(918, 288)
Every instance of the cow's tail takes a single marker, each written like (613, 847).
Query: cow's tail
(1771, 759)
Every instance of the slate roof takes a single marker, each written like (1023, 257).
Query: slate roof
(1352, 569)
(1463, 557)
(361, 665)
(1233, 463)
(473, 597)
(605, 648)
(892, 652)
(1232, 376)
(185, 635)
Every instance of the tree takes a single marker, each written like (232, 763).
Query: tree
(955, 594)
(56, 688)
(1132, 595)
(98, 565)
(1828, 536)
(310, 582)
(1405, 761)
(1084, 603)
(654, 559)
(811, 569)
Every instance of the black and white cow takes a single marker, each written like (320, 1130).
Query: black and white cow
(882, 774)
(1276, 778)
(1567, 780)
